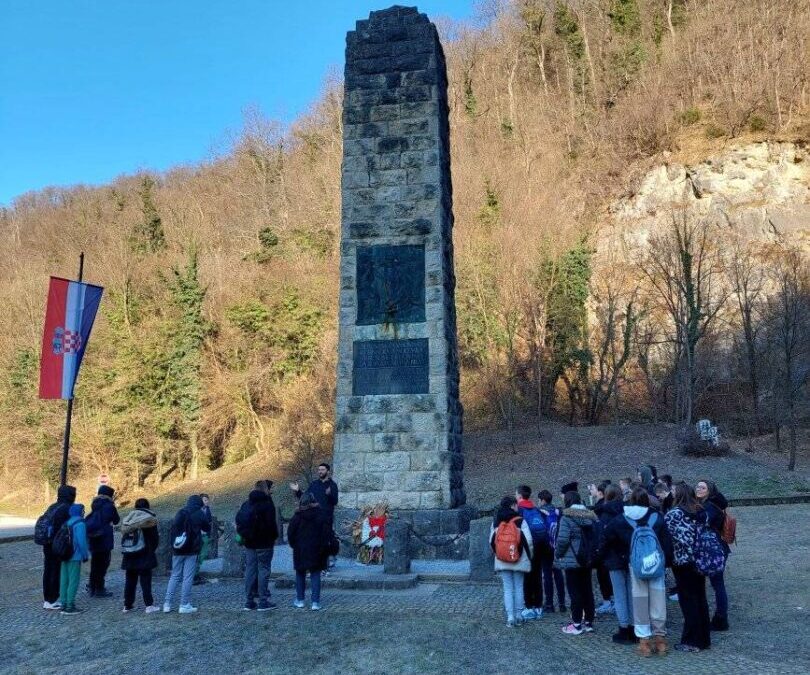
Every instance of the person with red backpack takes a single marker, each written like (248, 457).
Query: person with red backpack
(511, 541)
(574, 552)
(532, 580)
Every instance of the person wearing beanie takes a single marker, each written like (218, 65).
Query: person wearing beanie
(56, 515)
(72, 569)
(139, 541)
(103, 515)
(569, 487)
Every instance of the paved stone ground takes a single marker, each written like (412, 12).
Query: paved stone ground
(432, 628)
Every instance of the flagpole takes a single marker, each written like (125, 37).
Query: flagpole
(66, 443)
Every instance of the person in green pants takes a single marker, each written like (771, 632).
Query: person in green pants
(72, 569)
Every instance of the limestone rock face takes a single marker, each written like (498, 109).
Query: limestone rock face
(761, 189)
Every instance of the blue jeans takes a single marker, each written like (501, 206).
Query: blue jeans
(622, 597)
(301, 585)
(720, 595)
(513, 601)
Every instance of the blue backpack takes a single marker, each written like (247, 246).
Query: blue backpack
(552, 519)
(710, 556)
(646, 555)
(537, 524)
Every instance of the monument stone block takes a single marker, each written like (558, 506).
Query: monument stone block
(398, 416)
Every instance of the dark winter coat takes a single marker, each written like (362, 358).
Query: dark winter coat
(60, 509)
(104, 505)
(199, 521)
(265, 525)
(606, 511)
(618, 534)
(569, 536)
(715, 506)
(327, 502)
(309, 533)
(145, 559)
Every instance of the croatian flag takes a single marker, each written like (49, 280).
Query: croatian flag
(72, 307)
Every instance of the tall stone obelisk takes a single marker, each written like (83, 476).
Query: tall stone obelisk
(398, 418)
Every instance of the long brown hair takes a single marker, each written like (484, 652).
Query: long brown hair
(684, 498)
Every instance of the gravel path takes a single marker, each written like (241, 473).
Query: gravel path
(431, 628)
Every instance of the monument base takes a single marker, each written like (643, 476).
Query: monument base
(435, 534)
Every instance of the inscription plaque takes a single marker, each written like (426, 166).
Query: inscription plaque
(390, 367)
(390, 284)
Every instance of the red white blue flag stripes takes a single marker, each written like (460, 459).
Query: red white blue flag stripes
(72, 307)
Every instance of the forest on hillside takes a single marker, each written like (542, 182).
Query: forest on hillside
(216, 336)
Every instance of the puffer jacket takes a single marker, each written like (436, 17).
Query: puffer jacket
(527, 546)
(198, 521)
(569, 537)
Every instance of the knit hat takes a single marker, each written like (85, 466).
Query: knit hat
(570, 487)
(106, 490)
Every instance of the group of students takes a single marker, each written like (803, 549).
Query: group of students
(68, 539)
(631, 534)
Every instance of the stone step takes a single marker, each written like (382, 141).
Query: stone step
(359, 582)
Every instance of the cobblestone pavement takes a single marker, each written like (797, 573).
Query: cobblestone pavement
(432, 628)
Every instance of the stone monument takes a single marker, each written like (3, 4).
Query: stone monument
(398, 416)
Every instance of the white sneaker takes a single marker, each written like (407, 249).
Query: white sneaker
(528, 614)
(316, 606)
(298, 604)
(186, 609)
(152, 609)
(51, 605)
(510, 622)
(606, 607)
(166, 608)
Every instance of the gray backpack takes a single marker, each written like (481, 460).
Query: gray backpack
(646, 555)
(132, 542)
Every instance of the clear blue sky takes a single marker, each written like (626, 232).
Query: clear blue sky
(90, 89)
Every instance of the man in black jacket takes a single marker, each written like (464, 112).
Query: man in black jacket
(257, 525)
(324, 489)
(103, 516)
(58, 513)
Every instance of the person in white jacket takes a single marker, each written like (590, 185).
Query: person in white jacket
(512, 573)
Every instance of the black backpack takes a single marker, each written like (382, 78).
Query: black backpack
(588, 553)
(43, 529)
(62, 545)
(246, 522)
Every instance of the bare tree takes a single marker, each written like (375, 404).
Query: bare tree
(748, 283)
(685, 269)
(788, 307)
